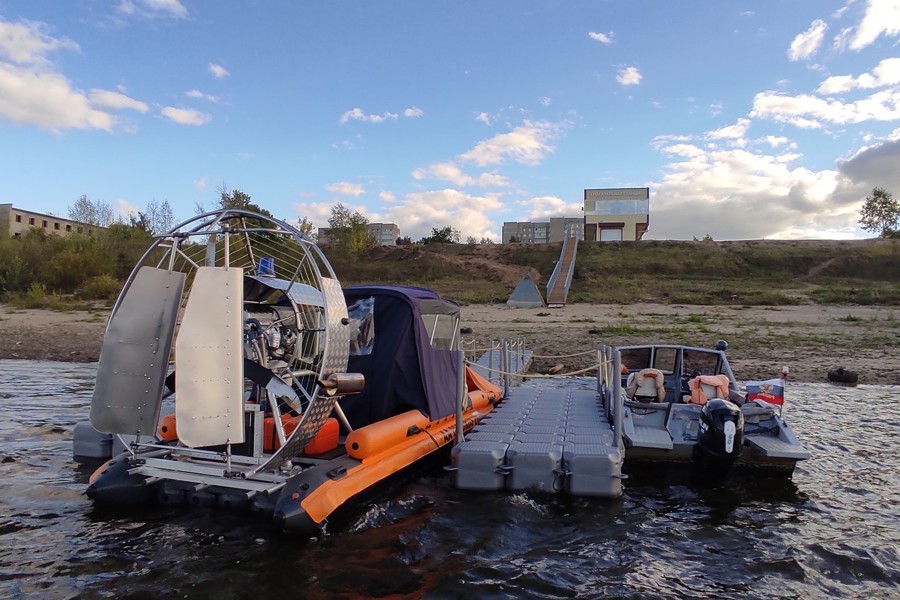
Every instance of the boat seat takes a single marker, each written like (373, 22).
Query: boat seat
(646, 386)
(707, 387)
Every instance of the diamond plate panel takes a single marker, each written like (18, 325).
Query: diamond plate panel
(336, 355)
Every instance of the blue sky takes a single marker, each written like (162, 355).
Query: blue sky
(746, 119)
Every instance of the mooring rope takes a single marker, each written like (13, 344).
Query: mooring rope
(585, 353)
(535, 375)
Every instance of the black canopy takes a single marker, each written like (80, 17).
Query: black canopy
(403, 342)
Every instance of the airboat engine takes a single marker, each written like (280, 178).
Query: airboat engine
(721, 436)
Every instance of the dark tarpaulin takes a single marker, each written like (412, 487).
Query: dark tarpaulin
(403, 371)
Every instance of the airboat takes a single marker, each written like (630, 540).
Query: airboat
(236, 371)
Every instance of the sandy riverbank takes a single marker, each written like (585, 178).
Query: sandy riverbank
(809, 339)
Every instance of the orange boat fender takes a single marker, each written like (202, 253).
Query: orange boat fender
(377, 437)
(167, 431)
(480, 400)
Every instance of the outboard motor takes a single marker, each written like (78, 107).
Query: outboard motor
(721, 436)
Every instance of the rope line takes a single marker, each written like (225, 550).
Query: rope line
(585, 353)
(535, 375)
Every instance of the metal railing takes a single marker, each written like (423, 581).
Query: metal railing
(561, 264)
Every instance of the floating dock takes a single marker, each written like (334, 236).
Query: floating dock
(541, 438)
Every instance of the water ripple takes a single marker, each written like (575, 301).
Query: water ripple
(831, 531)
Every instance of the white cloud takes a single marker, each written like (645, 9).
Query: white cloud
(736, 131)
(345, 188)
(125, 208)
(776, 141)
(173, 9)
(710, 190)
(47, 100)
(712, 193)
(317, 213)
(882, 17)
(199, 183)
(809, 111)
(484, 118)
(450, 172)
(603, 38)
(629, 76)
(885, 73)
(808, 43)
(545, 100)
(218, 71)
(542, 208)
(357, 114)
(527, 144)
(33, 93)
(186, 116)
(386, 196)
(416, 214)
(116, 101)
(27, 44)
(197, 94)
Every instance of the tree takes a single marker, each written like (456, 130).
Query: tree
(160, 216)
(240, 200)
(350, 228)
(471, 240)
(444, 235)
(92, 212)
(404, 241)
(880, 213)
(306, 227)
(155, 219)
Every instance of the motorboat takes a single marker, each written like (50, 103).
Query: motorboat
(683, 404)
(237, 372)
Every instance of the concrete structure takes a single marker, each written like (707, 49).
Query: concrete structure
(385, 234)
(543, 232)
(616, 214)
(16, 221)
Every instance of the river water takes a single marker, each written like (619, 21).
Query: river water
(831, 531)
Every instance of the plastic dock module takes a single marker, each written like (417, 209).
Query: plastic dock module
(550, 440)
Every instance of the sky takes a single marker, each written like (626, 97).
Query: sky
(747, 119)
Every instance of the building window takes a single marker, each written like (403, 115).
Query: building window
(18, 218)
(56, 226)
(44, 224)
(31, 220)
(68, 228)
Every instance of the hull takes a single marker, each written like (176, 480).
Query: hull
(326, 489)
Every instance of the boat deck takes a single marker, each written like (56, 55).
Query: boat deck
(542, 438)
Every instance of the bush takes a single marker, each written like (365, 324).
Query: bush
(100, 287)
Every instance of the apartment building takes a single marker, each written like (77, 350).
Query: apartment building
(17, 221)
(543, 232)
(385, 233)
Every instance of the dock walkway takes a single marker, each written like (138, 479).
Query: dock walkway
(551, 439)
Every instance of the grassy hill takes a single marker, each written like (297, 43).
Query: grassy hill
(758, 272)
